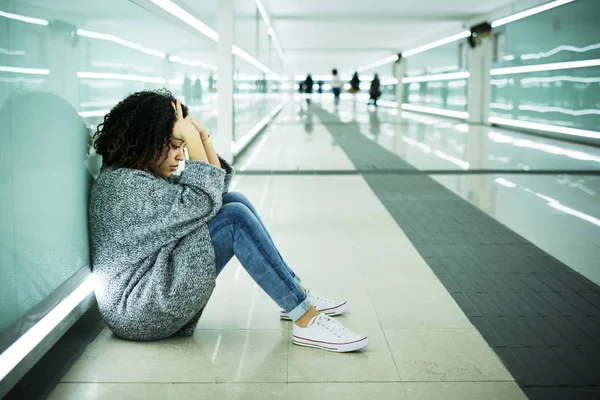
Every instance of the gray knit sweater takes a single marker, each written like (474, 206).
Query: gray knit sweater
(152, 254)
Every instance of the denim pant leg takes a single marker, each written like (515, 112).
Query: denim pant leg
(236, 231)
(237, 197)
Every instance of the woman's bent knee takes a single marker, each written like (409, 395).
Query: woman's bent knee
(235, 197)
(237, 210)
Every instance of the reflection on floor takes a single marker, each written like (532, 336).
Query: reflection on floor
(336, 233)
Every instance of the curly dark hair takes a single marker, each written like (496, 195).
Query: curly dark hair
(137, 130)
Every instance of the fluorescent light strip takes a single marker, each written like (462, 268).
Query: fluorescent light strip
(528, 13)
(505, 182)
(561, 78)
(13, 52)
(378, 63)
(436, 111)
(192, 21)
(263, 13)
(442, 70)
(454, 160)
(270, 30)
(574, 49)
(236, 147)
(545, 67)
(29, 71)
(12, 356)
(503, 138)
(109, 64)
(501, 106)
(20, 79)
(277, 44)
(439, 77)
(94, 113)
(186, 17)
(544, 127)
(242, 54)
(192, 63)
(23, 18)
(121, 41)
(98, 103)
(437, 43)
(120, 77)
(561, 110)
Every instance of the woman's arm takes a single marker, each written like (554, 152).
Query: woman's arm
(213, 158)
(185, 130)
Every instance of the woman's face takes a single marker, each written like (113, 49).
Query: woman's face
(169, 160)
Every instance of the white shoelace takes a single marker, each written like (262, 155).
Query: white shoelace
(331, 325)
(313, 297)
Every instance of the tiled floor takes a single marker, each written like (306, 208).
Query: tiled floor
(338, 236)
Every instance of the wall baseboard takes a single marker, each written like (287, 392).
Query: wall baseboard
(40, 380)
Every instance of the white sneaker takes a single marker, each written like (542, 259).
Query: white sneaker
(323, 305)
(325, 333)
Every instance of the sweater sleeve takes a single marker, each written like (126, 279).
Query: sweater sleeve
(229, 172)
(158, 209)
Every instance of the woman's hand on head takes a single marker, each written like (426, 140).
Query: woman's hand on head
(200, 128)
(183, 129)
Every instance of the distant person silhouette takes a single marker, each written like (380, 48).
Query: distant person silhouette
(374, 91)
(308, 88)
(336, 86)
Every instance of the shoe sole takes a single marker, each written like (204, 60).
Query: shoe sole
(331, 312)
(335, 347)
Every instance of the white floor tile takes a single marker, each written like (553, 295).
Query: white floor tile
(444, 355)
(374, 363)
(463, 390)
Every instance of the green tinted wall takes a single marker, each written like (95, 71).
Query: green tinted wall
(58, 77)
(446, 94)
(566, 97)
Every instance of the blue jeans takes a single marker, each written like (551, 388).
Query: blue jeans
(336, 95)
(238, 230)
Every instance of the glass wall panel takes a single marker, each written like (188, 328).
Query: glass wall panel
(63, 65)
(448, 94)
(567, 97)
(252, 80)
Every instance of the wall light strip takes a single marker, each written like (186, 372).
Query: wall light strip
(544, 127)
(270, 30)
(192, 63)
(439, 77)
(378, 63)
(120, 77)
(505, 182)
(437, 43)
(564, 47)
(12, 52)
(23, 18)
(93, 113)
(236, 147)
(186, 17)
(560, 110)
(29, 71)
(242, 54)
(12, 356)
(121, 41)
(20, 79)
(192, 21)
(545, 67)
(528, 13)
(436, 111)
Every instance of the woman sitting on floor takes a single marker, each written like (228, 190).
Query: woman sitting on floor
(159, 242)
